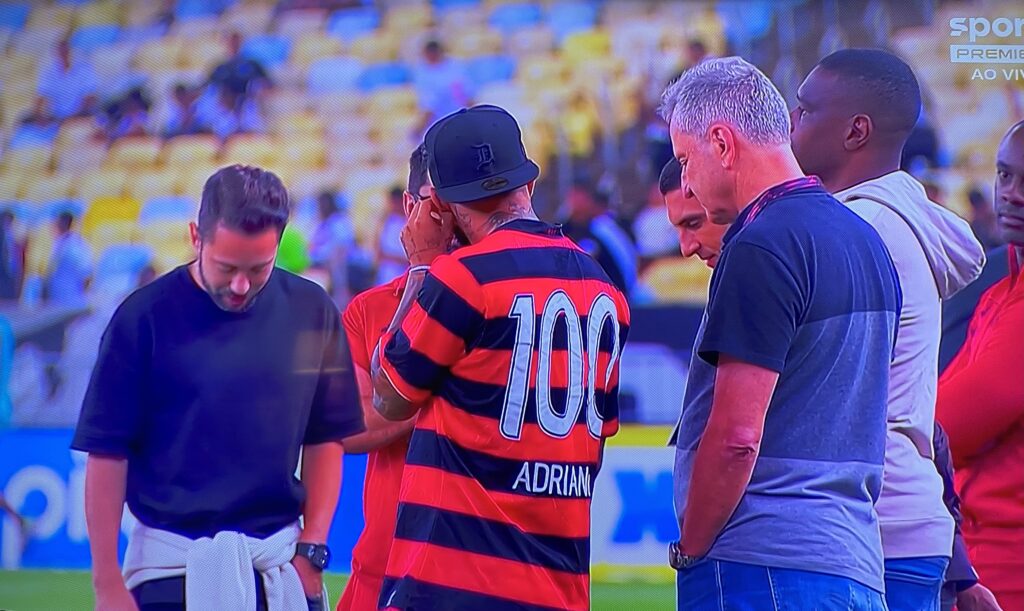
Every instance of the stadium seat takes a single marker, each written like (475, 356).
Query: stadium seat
(541, 68)
(268, 49)
(156, 183)
(81, 157)
(10, 185)
(300, 22)
(510, 17)
(334, 74)
(407, 18)
(135, 153)
(97, 13)
(484, 70)
(444, 6)
(183, 151)
(159, 55)
(476, 41)
(375, 48)
(167, 208)
(189, 9)
(584, 45)
(302, 124)
(123, 259)
(196, 27)
(247, 19)
(462, 18)
(89, 38)
(349, 24)
(306, 153)
(388, 100)
(313, 46)
(204, 53)
(76, 207)
(49, 187)
(352, 127)
(285, 100)
(51, 16)
(100, 184)
(115, 61)
(192, 178)
(568, 17)
(352, 153)
(384, 75)
(251, 149)
(14, 16)
(335, 105)
(28, 159)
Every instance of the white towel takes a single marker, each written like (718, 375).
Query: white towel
(218, 571)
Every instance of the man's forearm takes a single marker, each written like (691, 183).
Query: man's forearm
(105, 481)
(321, 477)
(386, 400)
(378, 437)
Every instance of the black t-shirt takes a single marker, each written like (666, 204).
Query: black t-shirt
(211, 407)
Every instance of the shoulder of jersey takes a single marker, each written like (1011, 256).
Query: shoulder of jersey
(380, 291)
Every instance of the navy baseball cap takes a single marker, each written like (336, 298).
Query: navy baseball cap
(476, 153)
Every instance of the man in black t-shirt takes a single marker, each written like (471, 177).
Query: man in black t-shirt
(209, 382)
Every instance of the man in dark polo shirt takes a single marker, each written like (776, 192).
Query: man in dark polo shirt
(781, 440)
(209, 382)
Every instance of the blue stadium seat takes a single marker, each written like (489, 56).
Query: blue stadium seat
(349, 24)
(75, 206)
(166, 208)
(510, 17)
(186, 9)
(14, 16)
(443, 5)
(123, 259)
(268, 49)
(333, 74)
(567, 18)
(30, 135)
(746, 20)
(490, 69)
(384, 75)
(91, 37)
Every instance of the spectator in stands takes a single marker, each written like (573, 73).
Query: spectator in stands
(184, 117)
(241, 75)
(854, 113)
(390, 254)
(655, 240)
(234, 114)
(441, 84)
(774, 494)
(594, 229)
(981, 401)
(67, 85)
(128, 116)
(11, 258)
(70, 268)
(696, 52)
(332, 241)
(39, 125)
(983, 219)
(697, 236)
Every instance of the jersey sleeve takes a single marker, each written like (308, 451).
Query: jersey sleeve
(753, 310)
(111, 417)
(353, 319)
(336, 412)
(610, 406)
(440, 328)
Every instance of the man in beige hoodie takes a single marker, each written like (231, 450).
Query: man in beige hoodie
(854, 113)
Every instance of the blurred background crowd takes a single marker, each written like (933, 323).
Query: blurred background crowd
(114, 112)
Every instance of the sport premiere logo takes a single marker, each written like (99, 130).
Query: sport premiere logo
(978, 28)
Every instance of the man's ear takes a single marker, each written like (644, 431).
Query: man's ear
(407, 203)
(723, 144)
(530, 186)
(193, 234)
(858, 132)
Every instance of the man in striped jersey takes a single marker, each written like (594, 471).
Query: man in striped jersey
(507, 352)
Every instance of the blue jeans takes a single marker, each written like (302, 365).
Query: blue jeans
(716, 585)
(914, 584)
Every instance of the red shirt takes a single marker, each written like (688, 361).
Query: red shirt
(514, 344)
(981, 406)
(365, 319)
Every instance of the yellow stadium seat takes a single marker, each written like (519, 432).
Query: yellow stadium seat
(204, 53)
(101, 184)
(19, 67)
(141, 13)
(51, 16)
(49, 187)
(40, 250)
(10, 185)
(252, 149)
(76, 131)
(247, 19)
(392, 100)
(299, 125)
(300, 22)
(81, 157)
(155, 183)
(311, 183)
(398, 125)
(312, 46)
(586, 45)
(28, 159)
(404, 19)
(196, 27)
(135, 153)
(475, 42)
(159, 55)
(282, 101)
(541, 67)
(339, 105)
(98, 13)
(375, 48)
(678, 280)
(307, 153)
(462, 18)
(191, 179)
(182, 151)
(352, 152)
(111, 220)
(355, 127)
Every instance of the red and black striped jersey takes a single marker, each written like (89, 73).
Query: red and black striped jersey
(513, 345)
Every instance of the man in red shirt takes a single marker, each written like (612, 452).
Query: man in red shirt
(365, 319)
(981, 402)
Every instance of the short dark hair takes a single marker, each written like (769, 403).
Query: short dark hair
(65, 220)
(884, 85)
(418, 169)
(243, 198)
(671, 178)
(433, 46)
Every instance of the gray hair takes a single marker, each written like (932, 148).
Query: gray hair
(728, 90)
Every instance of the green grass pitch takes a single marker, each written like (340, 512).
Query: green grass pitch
(72, 591)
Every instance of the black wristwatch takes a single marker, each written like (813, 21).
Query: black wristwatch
(677, 559)
(318, 554)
